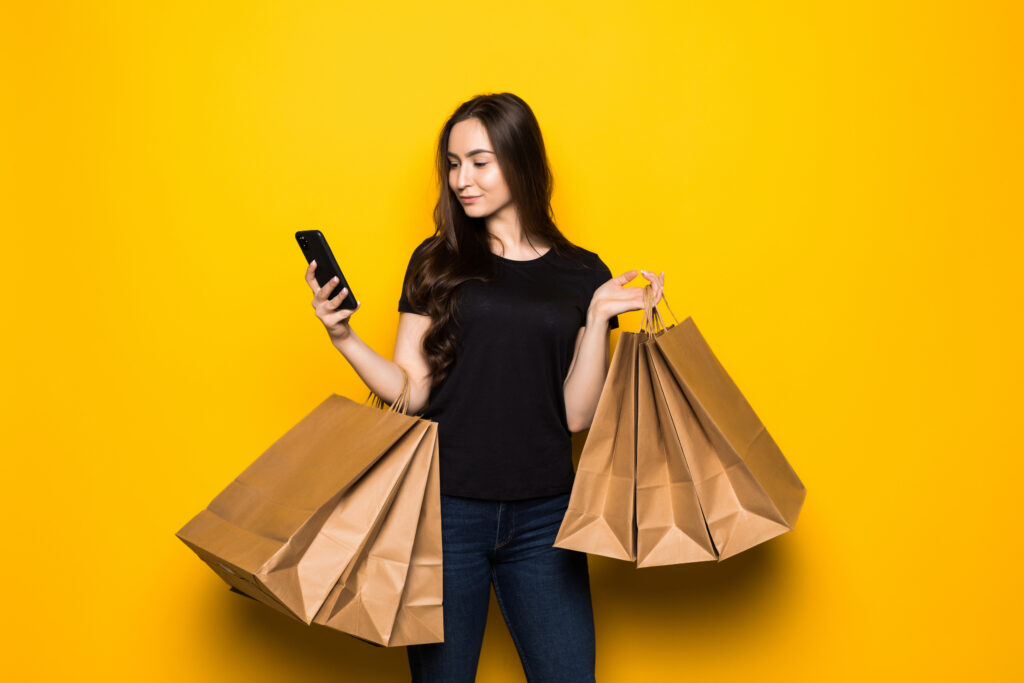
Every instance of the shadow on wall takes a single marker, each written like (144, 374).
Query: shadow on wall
(308, 652)
(720, 593)
(711, 596)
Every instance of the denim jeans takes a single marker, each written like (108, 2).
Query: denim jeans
(543, 592)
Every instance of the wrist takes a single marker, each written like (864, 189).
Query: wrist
(595, 319)
(342, 338)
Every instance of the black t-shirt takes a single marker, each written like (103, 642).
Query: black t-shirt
(502, 430)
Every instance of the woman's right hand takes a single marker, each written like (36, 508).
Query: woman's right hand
(334, 319)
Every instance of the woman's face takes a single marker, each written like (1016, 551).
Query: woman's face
(473, 172)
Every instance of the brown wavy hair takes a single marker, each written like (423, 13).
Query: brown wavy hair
(459, 249)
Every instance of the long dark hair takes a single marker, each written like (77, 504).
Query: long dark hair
(460, 247)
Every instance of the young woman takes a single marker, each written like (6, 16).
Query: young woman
(503, 330)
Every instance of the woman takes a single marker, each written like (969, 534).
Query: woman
(503, 330)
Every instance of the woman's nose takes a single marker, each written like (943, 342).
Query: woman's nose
(465, 176)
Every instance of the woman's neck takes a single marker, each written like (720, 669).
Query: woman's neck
(508, 238)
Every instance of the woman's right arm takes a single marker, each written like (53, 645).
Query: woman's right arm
(381, 375)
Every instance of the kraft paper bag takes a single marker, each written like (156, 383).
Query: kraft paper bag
(365, 601)
(257, 532)
(600, 517)
(303, 515)
(420, 617)
(747, 490)
(670, 524)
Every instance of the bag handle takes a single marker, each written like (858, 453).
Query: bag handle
(401, 404)
(652, 322)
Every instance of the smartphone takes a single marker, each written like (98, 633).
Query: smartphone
(314, 246)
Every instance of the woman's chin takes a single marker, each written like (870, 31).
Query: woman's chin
(474, 211)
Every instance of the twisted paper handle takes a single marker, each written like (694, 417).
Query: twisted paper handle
(652, 322)
(401, 404)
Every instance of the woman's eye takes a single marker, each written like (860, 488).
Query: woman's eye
(480, 163)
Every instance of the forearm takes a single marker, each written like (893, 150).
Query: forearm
(381, 375)
(583, 386)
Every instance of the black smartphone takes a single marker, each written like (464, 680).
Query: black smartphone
(314, 246)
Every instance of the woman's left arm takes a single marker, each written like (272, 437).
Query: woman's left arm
(582, 386)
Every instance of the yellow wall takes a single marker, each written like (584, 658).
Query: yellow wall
(832, 189)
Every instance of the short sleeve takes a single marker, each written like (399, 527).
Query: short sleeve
(602, 275)
(404, 305)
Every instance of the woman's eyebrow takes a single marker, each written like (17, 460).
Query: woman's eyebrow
(473, 153)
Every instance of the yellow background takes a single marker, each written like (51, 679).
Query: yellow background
(833, 190)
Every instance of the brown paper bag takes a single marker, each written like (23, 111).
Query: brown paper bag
(365, 600)
(747, 490)
(256, 534)
(420, 617)
(670, 524)
(303, 515)
(600, 517)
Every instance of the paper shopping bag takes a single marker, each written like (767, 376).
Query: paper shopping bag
(264, 533)
(669, 520)
(600, 515)
(366, 600)
(420, 618)
(287, 529)
(747, 490)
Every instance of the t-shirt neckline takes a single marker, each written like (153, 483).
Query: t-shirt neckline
(527, 261)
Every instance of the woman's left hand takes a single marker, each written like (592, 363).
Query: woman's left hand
(614, 297)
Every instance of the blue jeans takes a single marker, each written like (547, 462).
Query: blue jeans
(543, 592)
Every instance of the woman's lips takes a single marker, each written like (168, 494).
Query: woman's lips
(468, 200)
